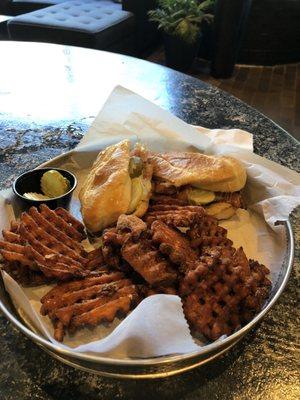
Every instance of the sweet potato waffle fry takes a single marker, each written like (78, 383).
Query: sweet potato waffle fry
(65, 216)
(96, 260)
(175, 215)
(89, 301)
(174, 244)
(22, 274)
(223, 292)
(114, 238)
(207, 232)
(161, 199)
(146, 259)
(46, 242)
(112, 243)
(129, 247)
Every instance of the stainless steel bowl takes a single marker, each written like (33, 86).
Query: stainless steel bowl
(150, 367)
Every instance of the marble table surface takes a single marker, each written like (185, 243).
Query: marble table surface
(49, 95)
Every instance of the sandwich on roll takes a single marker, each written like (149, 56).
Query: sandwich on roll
(119, 182)
(211, 181)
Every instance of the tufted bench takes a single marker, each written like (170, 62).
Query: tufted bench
(23, 6)
(98, 24)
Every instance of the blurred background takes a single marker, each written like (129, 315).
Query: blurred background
(249, 48)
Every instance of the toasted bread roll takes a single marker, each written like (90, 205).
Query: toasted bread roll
(118, 183)
(214, 173)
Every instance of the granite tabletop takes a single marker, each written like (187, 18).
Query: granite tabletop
(49, 95)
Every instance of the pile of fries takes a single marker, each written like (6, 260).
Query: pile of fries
(174, 249)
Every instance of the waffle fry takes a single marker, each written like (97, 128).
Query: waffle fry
(175, 215)
(96, 260)
(130, 224)
(11, 237)
(52, 230)
(14, 226)
(23, 274)
(39, 243)
(88, 302)
(145, 259)
(73, 222)
(77, 233)
(114, 238)
(61, 288)
(177, 207)
(49, 240)
(112, 242)
(163, 199)
(206, 232)
(55, 265)
(174, 244)
(224, 293)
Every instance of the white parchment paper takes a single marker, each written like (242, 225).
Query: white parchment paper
(157, 326)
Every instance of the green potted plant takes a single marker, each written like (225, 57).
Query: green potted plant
(180, 21)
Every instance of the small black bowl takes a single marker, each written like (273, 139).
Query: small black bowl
(31, 182)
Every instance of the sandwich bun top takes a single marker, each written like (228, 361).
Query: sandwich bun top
(106, 192)
(215, 173)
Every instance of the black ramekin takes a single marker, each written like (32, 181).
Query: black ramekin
(31, 182)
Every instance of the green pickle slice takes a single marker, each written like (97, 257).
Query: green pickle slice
(198, 196)
(137, 191)
(53, 184)
(135, 168)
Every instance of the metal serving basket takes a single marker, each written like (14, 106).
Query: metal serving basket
(151, 367)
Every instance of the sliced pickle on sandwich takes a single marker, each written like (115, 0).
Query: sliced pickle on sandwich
(137, 192)
(142, 206)
(140, 172)
(140, 180)
(199, 196)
